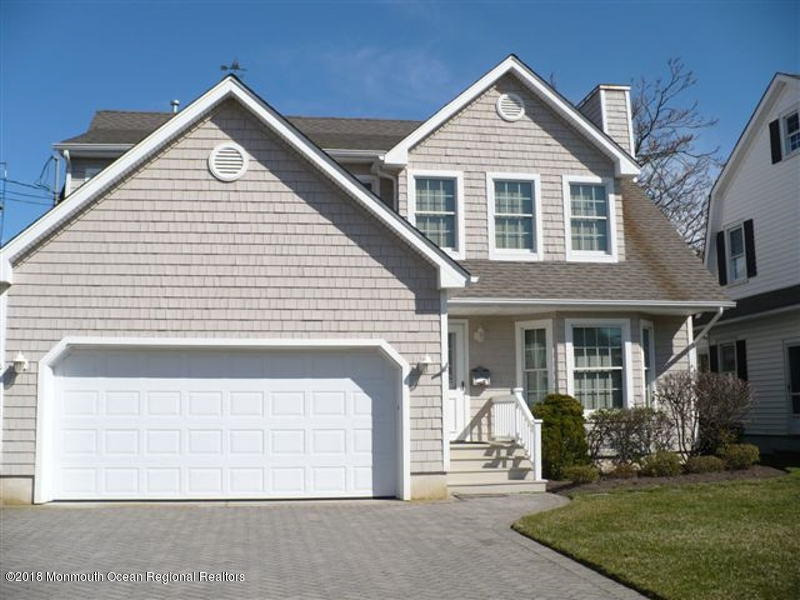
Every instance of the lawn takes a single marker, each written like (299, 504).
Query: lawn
(737, 539)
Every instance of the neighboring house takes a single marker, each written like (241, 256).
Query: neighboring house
(229, 303)
(753, 247)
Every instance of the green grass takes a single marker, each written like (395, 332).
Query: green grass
(730, 540)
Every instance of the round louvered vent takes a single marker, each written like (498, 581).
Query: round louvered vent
(510, 107)
(227, 161)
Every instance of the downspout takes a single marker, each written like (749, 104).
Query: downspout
(697, 338)
(67, 173)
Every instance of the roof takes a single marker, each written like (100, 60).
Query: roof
(759, 303)
(658, 267)
(624, 163)
(451, 274)
(131, 127)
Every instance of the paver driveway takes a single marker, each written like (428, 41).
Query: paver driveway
(457, 549)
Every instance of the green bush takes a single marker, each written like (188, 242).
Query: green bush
(739, 456)
(582, 473)
(563, 434)
(704, 464)
(624, 471)
(661, 464)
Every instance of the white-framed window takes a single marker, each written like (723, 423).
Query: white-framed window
(370, 182)
(648, 360)
(737, 258)
(590, 218)
(436, 208)
(790, 127)
(727, 358)
(534, 354)
(514, 216)
(598, 362)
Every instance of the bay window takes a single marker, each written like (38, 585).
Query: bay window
(598, 359)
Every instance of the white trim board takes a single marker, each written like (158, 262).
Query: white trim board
(46, 388)
(624, 164)
(451, 275)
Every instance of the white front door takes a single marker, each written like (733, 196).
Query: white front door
(457, 400)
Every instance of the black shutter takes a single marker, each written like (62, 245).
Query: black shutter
(713, 359)
(750, 248)
(741, 359)
(775, 140)
(722, 266)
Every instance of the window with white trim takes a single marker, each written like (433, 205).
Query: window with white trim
(589, 218)
(513, 212)
(648, 361)
(737, 259)
(598, 366)
(791, 132)
(435, 210)
(534, 343)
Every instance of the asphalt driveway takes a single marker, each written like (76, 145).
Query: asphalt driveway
(457, 549)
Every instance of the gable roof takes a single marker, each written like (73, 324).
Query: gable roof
(756, 120)
(659, 270)
(624, 163)
(333, 133)
(451, 274)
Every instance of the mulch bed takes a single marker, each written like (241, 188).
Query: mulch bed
(566, 488)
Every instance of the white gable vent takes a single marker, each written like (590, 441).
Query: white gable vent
(510, 107)
(227, 161)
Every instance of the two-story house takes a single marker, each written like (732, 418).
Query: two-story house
(230, 303)
(753, 247)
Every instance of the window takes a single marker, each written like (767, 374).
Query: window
(589, 219)
(90, 172)
(737, 262)
(727, 358)
(370, 182)
(791, 132)
(534, 344)
(514, 223)
(648, 360)
(435, 207)
(598, 353)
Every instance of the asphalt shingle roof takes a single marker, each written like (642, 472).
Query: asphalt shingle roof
(128, 127)
(658, 265)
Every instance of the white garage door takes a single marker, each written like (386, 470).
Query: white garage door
(161, 424)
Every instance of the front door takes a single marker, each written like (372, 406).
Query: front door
(793, 384)
(457, 410)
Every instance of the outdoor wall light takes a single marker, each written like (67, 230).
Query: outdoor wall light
(479, 335)
(20, 363)
(426, 362)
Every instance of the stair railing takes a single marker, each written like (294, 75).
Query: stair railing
(512, 420)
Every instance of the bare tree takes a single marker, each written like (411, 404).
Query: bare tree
(675, 173)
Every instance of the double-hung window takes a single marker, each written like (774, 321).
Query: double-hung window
(791, 133)
(435, 208)
(727, 358)
(534, 345)
(514, 232)
(590, 219)
(598, 359)
(737, 261)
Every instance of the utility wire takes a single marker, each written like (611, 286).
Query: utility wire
(24, 201)
(15, 182)
(43, 197)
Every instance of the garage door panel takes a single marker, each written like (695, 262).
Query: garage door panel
(161, 427)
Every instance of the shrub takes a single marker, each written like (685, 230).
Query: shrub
(722, 402)
(582, 473)
(628, 434)
(675, 393)
(739, 456)
(661, 464)
(704, 464)
(563, 434)
(624, 471)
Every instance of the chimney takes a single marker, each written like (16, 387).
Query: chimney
(175, 104)
(609, 107)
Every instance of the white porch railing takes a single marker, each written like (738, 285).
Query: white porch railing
(512, 419)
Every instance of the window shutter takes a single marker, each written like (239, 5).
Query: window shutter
(741, 359)
(750, 248)
(775, 140)
(713, 358)
(722, 267)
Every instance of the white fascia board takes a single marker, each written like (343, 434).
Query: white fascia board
(624, 164)
(451, 275)
(698, 306)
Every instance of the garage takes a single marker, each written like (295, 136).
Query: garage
(223, 423)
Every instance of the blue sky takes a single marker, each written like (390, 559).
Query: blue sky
(61, 60)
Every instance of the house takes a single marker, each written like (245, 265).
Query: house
(753, 242)
(230, 303)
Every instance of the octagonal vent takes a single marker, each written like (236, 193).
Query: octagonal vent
(227, 161)
(510, 107)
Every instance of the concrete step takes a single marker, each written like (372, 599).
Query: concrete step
(470, 463)
(487, 476)
(509, 487)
